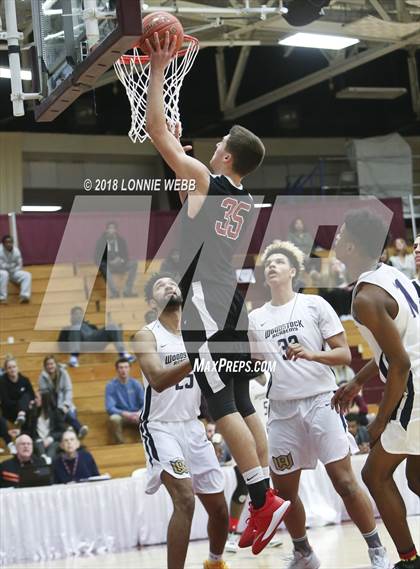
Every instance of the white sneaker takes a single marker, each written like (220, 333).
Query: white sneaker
(379, 558)
(299, 561)
(232, 544)
(73, 361)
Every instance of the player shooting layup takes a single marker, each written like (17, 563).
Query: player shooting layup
(219, 210)
(387, 312)
(179, 454)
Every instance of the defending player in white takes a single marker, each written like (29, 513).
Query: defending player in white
(387, 312)
(178, 452)
(304, 336)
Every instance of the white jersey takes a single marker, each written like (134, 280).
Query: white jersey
(306, 319)
(180, 402)
(258, 394)
(407, 321)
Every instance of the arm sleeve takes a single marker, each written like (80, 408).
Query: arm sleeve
(328, 321)
(93, 468)
(123, 253)
(18, 261)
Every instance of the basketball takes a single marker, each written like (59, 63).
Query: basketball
(160, 22)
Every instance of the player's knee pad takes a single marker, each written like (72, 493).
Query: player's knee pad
(221, 404)
(242, 398)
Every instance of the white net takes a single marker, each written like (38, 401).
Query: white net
(133, 72)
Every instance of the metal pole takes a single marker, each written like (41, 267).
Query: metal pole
(14, 58)
(412, 215)
(13, 228)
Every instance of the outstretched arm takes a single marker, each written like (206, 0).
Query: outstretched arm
(166, 143)
(160, 378)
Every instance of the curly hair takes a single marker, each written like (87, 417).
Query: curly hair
(289, 250)
(148, 287)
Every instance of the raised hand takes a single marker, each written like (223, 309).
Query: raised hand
(161, 55)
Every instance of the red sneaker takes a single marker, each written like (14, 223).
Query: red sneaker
(266, 520)
(248, 535)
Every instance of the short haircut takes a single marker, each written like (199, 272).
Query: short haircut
(3, 239)
(289, 250)
(76, 308)
(122, 361)
(148, 287)
(367, 231)
(23, 435)
(353, 417)
(111, 223)
(66, 432)
(246, 148)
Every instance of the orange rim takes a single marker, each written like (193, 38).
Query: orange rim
(127, 59)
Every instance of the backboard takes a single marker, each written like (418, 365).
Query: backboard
(77, 41)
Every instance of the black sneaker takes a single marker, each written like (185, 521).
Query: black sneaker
(415, 564)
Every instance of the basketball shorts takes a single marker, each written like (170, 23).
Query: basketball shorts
(303, 431)
(182, 450)
(402, 434)
(215, 338)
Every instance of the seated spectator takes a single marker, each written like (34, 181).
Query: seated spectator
(11, 269)
(10, 470)
(17, 396)
(220, 447)
(359, 432)
(5, 435)
(299, 237)
(47, 427)
(111, 255)
(402, 260)
(83, 335)
(56, 380)
(384, 258)
(74, 463)
(171, 264)
(124, 398)
(150, 316)
(416, 253)
(334, 287)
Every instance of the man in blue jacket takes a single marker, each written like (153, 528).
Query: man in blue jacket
(124, 397)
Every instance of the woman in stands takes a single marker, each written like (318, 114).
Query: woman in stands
(74, 464)
(55, 379)
(402, 260)
(48, 426)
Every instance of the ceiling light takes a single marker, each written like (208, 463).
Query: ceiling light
(261, 205)
(25, 74)
(41, 208)
(385, 93)
(319, 41)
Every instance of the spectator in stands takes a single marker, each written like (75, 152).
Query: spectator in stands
(11, 269)
(171, 264)
(74, 463)
(299, 236)
(150, 316)
(48, 426)
(334, 287)
(5, 435)
(416, 253)
(124, 398)
(17, 396)
(220, 447)
(402, 260)
(56, 380)
(93, 338)
(384, 258)
(359, 432)
(10, 470)
(111, 254)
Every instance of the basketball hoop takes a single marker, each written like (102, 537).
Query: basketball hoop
(134, 70)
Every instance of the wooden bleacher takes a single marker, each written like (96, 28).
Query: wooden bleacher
(18, 321)
(70, 288)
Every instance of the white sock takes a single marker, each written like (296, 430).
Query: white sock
(253, 475)
(266, 471)
(214, 557)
